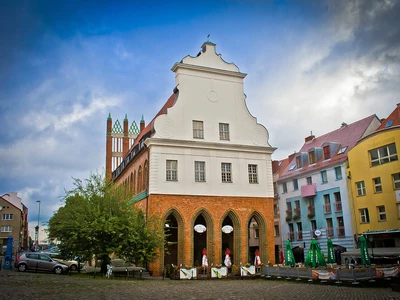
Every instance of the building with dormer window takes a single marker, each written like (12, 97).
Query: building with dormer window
(313, 193)
(203, 160)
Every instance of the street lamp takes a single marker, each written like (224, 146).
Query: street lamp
(38, 221)
(371, 240)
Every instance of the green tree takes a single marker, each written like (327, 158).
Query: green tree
(96, 219)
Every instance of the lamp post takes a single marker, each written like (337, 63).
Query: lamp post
(38, 222)
(371, 240)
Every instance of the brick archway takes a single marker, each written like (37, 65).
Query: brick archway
(209, 232)
(262, 234)
(236, 235)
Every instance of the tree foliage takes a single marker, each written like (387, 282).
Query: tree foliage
(97, 220)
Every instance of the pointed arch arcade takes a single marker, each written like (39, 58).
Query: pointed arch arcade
(231, 218)
(173, 250)
(204, 240)
(262, 235)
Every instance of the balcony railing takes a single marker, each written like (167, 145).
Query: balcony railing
(311, 211)
(308, 190)
(340, 231)
(289, 213)
(291, 235)
(297, 212)
(338, 206)
(327, 209)
(299, 235)
(329, 232)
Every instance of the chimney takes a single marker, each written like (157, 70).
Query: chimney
(343, 125)
(142, 124)
(309, 138)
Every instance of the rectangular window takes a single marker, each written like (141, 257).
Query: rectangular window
(284, 187)
(324, 177)
(226, 172)
(295, 184)
(338, 202)
(276, 209)
(256, 231)
(396, 181)
(311, 157)
(291, 232)
(309, 180)
(360, 188)
(7, 217)
(172, 170)
(297, 212)
(289, 211)
(381, 213)
(276, 230)
(199, 171)
(224, 131)
(329, 227)
(377, 184)
(299, 162)
(327, 152)
(364, 215)
(383, 155)
(398, 211)
(327, 204)
(198, 131)
(338, 173)
(299, 231)
(253, 175)
(6, 228)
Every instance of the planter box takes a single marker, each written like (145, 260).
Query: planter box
(247, 271)
(219, 272)
(188, 273)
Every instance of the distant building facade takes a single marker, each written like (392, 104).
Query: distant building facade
(313, 194)
(13, 221)
(374, 181)
(204, 160)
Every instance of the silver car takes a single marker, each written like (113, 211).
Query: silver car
(35, 261)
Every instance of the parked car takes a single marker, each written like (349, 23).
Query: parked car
(40, 262)
(71, 263)
(52, 252)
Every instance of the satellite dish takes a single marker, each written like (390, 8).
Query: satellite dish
(227, 229)
(200, 228)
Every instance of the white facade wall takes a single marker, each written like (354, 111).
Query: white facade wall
(211, 91)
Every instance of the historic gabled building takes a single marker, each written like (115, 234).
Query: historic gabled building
(374, 181)
(204, 160)
(313, 193)
(13, 221)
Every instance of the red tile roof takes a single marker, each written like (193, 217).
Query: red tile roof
(392, 120)
(346, 136)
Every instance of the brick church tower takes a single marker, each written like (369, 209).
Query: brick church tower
(204, 160)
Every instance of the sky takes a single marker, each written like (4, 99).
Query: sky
(65, 65)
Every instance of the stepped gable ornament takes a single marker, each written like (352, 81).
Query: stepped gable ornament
(227, 229)
(199, 228)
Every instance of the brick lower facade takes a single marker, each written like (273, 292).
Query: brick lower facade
(240, 210)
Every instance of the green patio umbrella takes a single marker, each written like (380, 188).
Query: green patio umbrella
(289, 257)
(331, 252)
(314, 257)
(364, 251)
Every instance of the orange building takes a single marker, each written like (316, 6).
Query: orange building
(203, 165)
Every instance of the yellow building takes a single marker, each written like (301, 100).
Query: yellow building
(374, 183)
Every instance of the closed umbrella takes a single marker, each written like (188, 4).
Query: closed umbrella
(364, 251)
(331, 252)
(314, 257)
(289, 257)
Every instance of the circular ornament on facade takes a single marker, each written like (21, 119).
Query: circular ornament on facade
(212, 96)
(317, 232)
(227, 229)
(259, 136)
(199, 228)
(165, 126)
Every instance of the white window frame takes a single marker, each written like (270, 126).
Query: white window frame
(253, 173)
(7, 217)
(364, 215)
(276, 231)
(312, 157)
(199, 171)
(309, 180)
(360, 185)
(299, 162)
(171, 170)
(381, 156)
(6, 228)
(377, 185)
(381, 213)
(198, 129)
(226, 172)
(284, 187)
(224, 131)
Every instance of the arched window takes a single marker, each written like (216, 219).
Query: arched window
(134, 183)
(139, 184)
(146, 175)
(131, 186)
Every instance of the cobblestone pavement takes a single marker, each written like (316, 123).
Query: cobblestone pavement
(15, 285)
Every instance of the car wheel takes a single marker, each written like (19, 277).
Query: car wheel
(58, 270)
(22, 267)
(74, 267)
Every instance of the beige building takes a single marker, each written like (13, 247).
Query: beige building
(13, 221)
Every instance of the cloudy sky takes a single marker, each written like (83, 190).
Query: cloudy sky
(64, 65)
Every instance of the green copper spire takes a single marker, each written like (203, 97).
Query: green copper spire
(142, 120)
(109, 116)
(126, 117)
